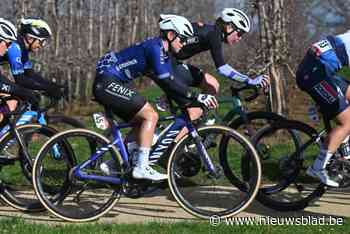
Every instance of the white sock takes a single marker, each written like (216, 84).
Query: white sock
(132, 146)
(322, 160)
(142, 156)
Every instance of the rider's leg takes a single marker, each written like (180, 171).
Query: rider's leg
(12, 104)
(339, 133)
(145, 123)
(147, 119)
(195, 113)
(333, 141)
(313, 78)
(127, 104)
(209, 84)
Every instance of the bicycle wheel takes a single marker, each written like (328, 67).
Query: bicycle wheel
(16, 187)
(340, 168)
(256, 120)
(285, 186)
(63, 193)
(202, 194)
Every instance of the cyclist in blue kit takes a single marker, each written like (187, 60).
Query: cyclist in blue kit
(8, 34)
(33, 35)
(116, 70)
(316, 75)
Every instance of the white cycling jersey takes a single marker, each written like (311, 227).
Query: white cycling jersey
(345, 38)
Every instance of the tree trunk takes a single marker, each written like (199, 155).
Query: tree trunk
(79, 49)
(272, 19)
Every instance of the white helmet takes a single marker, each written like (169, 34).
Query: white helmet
(236, 17)
(8, 31)
(36, 28)
(176, 23)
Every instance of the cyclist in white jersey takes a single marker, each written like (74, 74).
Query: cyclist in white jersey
(317, 75)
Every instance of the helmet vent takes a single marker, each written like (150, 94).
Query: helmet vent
(242, 23)
(8, 32)
(189, 29)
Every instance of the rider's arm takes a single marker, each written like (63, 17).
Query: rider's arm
(9, 87)
(229, 72)
(177, 91)
(218, 58)
(164, 77)
(22, 70)
(33, 80)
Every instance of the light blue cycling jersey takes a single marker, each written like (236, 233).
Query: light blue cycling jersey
(137, 60)
(17, 57)
(334, 52)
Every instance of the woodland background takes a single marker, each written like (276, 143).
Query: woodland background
(83, 30)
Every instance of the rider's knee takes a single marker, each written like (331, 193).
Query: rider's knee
(12, 104)
(195, 113)
(147, 113)
(150, 114)
(211, 83)
(343, 119)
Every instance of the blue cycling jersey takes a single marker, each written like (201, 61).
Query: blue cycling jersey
(17, 57)
(148, 56)
(333, 52)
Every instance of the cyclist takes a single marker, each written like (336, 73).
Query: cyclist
(229, 28)
(317, 76)
(151, 57)
(8, 34)
(33, 35)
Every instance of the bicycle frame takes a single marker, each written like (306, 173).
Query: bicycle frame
(237, 108)
(26, 118)
(158, 150)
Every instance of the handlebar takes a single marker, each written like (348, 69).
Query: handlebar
(236, 92)
(53, 101)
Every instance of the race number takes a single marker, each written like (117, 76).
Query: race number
(322, 46)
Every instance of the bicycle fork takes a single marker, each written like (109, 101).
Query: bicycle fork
(203, 154)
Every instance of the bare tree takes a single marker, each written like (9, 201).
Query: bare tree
(272, 23)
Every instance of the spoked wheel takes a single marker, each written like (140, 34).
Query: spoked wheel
(202, 193)
(16, 170)
(62, 190)
(255, 121)
(340, 168)
(285, 186)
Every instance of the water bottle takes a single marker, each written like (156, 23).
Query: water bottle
(313, 114)
(344, 148)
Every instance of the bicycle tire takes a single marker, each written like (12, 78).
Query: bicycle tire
(267, 117)
(344, 182)
(60, 203)
(289, 170)
(177, 177)
(12, 192)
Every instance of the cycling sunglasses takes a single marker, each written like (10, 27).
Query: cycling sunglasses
(43, 42)
(239, 31)
(183, 40)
